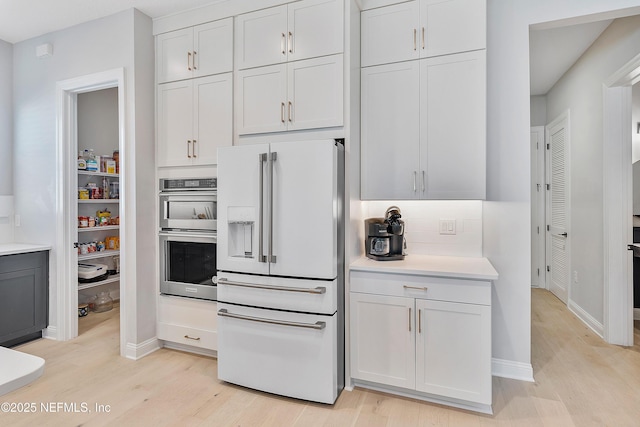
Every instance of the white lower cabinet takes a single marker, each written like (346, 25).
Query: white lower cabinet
(188, 321)
(424, 337)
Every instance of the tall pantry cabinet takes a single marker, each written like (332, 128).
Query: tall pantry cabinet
(423, 100)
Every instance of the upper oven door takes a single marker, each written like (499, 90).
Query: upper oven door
(195, 210)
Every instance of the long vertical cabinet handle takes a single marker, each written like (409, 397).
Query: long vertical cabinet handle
(282, 112)
(290, 42)
(283, 42)
(194, 60)
(189, 148)
(193, 150)
(273, 158)
(422, 38)
(409, 319)
(189, 61)
(414, 181)
(424, 184)
(262, 157)
(419, 321)
(415, 39)
(290, 112)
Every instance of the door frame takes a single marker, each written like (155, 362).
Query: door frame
(66, 199)
(538, 208)
(617, 206)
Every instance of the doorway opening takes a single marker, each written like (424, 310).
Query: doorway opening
(108, 89)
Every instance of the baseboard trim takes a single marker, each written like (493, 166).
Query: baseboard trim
(138, 351)
(636, 314)
(586, 318)
(189, 349)
(50, 333)
(512, 369)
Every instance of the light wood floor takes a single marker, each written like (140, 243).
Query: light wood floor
(580, 381)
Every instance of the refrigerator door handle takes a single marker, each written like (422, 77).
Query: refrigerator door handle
(262, 157)
(273, 158)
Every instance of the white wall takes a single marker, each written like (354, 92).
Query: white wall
(538, 110)
(6, 119)
(506, 213)
(98, 121)
(121, 40)
(580, 91)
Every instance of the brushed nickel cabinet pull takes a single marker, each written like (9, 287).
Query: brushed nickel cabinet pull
(194, 147)
(189, 148)
(414, 180)
(409, 319)
(290, 112)
(290, 42)
(194, 60)
(283, 41)
(189, 61)
(282, 112)
(422, 38)
(424, 288)
(415, 41)
(192, 338)
(423, 182)
(419, 321)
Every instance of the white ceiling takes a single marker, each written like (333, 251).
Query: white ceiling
(553, 51)
(24, 19)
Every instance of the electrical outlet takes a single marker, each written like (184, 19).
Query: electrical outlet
(575, 276)
(447, 226)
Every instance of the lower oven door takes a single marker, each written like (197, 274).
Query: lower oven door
(281, 352)
(188, 265)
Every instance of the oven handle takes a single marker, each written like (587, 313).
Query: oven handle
(318, 290)
(194, 237)
(318, 325)
(196, 193)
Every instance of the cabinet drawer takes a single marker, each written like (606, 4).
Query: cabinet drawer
(190, 313)
(188, 336)
(422, 287)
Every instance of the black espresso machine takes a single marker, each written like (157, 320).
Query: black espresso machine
(385, 236)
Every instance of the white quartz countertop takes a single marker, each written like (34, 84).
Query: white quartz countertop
(21, 248)
(430, 265)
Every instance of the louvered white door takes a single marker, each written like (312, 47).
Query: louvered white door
(557, 161)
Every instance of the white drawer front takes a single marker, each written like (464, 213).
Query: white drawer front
(189, 336)
(292, 361)
(304, 295)
(194, 313)
(422, 287)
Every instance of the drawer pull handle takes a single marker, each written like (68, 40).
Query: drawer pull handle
(318, 325)
(192, 338)
(423, 288)
(318, 290)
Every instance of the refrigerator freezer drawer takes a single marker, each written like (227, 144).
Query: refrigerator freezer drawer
(308, 296)
(289, 354)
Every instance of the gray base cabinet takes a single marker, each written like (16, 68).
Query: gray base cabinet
(24, 285)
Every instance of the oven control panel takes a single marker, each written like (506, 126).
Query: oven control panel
(183, 184)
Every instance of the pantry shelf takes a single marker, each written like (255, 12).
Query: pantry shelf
(102, 254)
(98, 201)
(109, 279)
(90, 173)
(99, 228)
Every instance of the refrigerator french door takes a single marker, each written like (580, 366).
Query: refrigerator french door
(280, 268)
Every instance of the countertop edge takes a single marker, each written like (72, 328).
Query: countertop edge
(21, 248)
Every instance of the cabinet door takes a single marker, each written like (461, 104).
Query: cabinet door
(390, 34)
(213, 48)
(260, 37)
(315, 95)
(453, 355)
(174, 62)
(261, 95)
(390, 131)
(452, 26)
(383, 339)
(213, 117)
(316, 28)
(453, 126)
(175, 123)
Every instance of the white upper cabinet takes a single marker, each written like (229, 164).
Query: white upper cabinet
(195, 52)
(194, 119)
(422, 29)
(300, 30)
(298, 95)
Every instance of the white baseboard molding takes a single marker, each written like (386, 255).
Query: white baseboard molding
(50, 333)
(586, 318)
(189, 349)
(511, 369)
(636, 314)
(138, 351)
